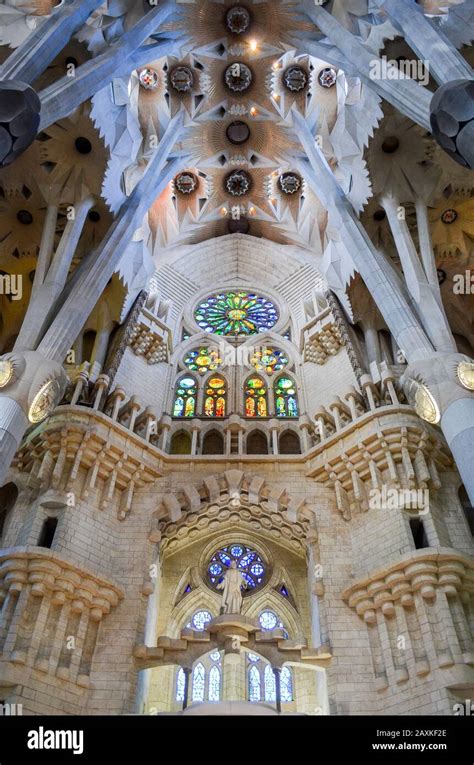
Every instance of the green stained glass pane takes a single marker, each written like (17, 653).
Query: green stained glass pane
(236, 313)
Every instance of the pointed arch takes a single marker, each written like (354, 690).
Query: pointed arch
(199, 682)
(255, 397)
(257, 442)
(254, 685)
(215, 396)
(180, 442)
(289, 443)
(213, 443)
(185, 396)
(286, 397)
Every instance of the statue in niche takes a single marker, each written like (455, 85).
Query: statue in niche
(232, 585)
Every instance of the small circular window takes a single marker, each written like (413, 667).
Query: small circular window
(248, 562)
(199, 621)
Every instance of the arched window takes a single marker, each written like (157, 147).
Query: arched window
(255, 692)
(286, 685)
(214, 684)
(213, 443)
(261, 683)
(185, 398)
(215, 401)
(269, 679)
(205, 684)
(289, 443)
(257, 443)
(286, 403)
(180, 684)
(180, 443)
(256, 398)
(199, 682)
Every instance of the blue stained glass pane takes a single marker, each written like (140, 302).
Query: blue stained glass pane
(247, 559)
(199, 675)
(286, 683)
(257, 569)
(225, 558)
(214, 684)
(215, 568)
(254, 684)
(270, 685)
(215, 656)
(236, 551)
(268, 620)
(249, 580)
(180, 682)
(200, 619)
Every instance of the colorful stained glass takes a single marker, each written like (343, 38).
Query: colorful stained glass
(236, 313)
(202, 360)
(256, 401)
(269, 360)
(286, 402)
(248, 561)
(185, 398)
(215, 403)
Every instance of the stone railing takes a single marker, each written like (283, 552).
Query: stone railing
(45, 602)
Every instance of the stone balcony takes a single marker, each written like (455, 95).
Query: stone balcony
(45, 599)
(321, 338)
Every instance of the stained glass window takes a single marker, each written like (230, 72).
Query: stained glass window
(236, 313)
(215, 401)
(214, 684)
(202, 360)
(199, 620)
(286, 685)
(199, 677)
(180, 683)
(269, 360)
(185, 398)
(268, 620)
(269, 681)
(286, 403)
(254, 684)
(248, 561)
(256, 398)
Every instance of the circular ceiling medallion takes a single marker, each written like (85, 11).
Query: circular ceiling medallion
(24, 217)
(327, 77)
(465, 372)
(186, 183)
(449, 216)
(290, 183)
(238, 183)
(238, 77)
(148, 79)
(182, 79)
(238, 226)
(238, 132)
(47, 399)
(237, 19)
(295, 78)
(6, 372)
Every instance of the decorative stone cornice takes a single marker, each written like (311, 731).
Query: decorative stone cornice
(51, 575)
(233, 497)
(425, 572)
(230, 632)
(76, 438)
